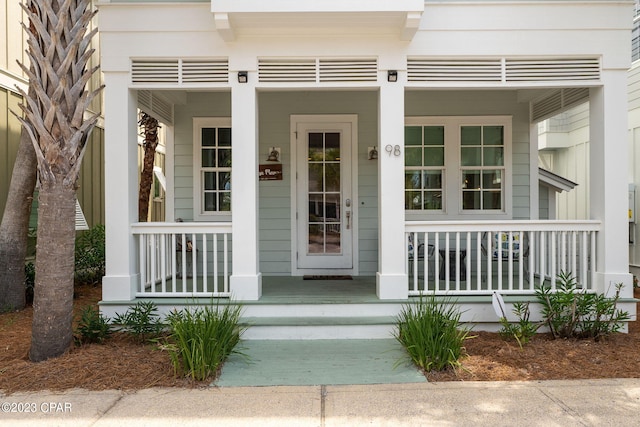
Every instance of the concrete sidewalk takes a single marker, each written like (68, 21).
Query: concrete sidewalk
(611, 402)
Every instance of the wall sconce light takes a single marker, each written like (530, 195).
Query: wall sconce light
(372, 153)
(243, 77)
(392, 76)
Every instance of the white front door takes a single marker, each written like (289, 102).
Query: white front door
(324, 195)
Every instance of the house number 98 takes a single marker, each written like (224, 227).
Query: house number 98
(395, 150)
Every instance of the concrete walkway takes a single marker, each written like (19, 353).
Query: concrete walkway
(614, 402)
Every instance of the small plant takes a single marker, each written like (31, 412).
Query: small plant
(572, 312)
(142, 321)
(90, 255)
(93, 327)
(200, 340)
(431, 332)
(524, 329)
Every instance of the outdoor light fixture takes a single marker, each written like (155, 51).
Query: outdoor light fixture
(243, 76)
(392, 76)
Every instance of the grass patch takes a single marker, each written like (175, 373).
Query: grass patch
(200, 340)
(431, 333)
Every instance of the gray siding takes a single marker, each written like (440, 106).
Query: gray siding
(275, 200)
(543, 202)
(485, 103)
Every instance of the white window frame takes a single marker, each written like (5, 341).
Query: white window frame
(452, 178)
(200, 123)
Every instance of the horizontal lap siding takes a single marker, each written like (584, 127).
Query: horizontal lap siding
(485, 103)
(213, 104)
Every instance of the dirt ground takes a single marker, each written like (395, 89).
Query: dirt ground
(124, 364)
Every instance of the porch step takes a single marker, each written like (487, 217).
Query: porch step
(316, 328)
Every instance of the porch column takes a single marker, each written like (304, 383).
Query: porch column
(609, 180)
(121, 187)
(391, 279)
(246, 280)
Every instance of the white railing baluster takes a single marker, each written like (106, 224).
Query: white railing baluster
(447, 261)
(436, 255)
(152, 267)
(468, 262)
(584, 257)
(226, 261)
(457, 261)
(205, 286)
(163, 264)
(554, 259)
(479, 260)
(489, 246)
(425, 262)
(592, 261)
(215, 263)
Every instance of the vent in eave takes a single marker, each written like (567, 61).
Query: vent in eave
(287, 70)
(155, 106)
(449, 70)
(177, 71)
(557, 102)
(205, 71)
(323, 70)
(348, 70)
(156, 71)
(544, 70)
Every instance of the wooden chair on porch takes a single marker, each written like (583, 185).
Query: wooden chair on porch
(419, 256)
(500, 250)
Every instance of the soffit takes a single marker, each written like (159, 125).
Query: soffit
(239, 18)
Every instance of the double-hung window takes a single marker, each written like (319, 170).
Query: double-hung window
(212, 167)
(424, 167)
(457, 166)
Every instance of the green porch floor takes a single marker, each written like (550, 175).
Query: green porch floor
(319, 362)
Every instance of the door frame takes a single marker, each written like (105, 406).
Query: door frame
(320, 119)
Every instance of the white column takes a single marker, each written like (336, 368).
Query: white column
(246, 280)
(121, 187)
(609, 180)
(391, 279)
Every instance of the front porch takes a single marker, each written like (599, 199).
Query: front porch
(533, 253)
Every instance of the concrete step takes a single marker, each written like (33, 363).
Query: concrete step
(315, 328)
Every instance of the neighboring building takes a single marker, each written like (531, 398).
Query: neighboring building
(394, 142)
(12, 48)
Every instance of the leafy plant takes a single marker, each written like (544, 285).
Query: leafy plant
(29, 281)
(572, 312)
(524, 329)
(431, 332)
(90, 255)
(200, 340)
(93, 327)
(141, 320)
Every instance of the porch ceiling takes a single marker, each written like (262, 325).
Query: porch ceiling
(237, 18)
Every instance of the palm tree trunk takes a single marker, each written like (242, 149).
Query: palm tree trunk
(15, 226)
(53, 300)
(146, 177)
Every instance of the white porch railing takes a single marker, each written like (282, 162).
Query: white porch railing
(513, 257)
(183, 259)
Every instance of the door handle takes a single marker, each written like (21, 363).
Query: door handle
(348, 219)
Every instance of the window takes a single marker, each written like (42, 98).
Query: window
(212, 167)
(424, 167)
(482, 167)
(458, 165)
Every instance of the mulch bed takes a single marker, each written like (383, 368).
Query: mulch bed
(124, 364)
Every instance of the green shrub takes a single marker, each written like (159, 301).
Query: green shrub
(431, 332)
(573, 313)
(200, 340)
(93, 327)
(524, 329)
(141, 321)
(90, 255)
(29, 281)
